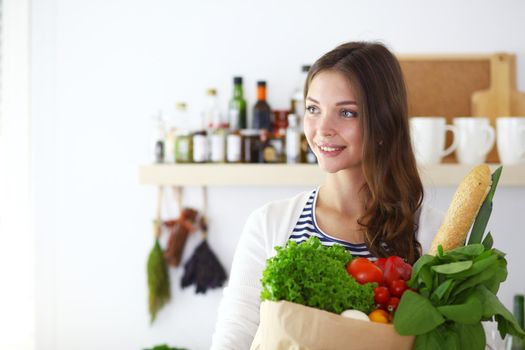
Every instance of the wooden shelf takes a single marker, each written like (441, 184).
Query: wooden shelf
(295, 175)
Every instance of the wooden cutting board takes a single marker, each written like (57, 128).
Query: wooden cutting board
(501, 98)
(462, 85)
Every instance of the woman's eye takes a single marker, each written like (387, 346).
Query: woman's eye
(311, 109)
(348, 114)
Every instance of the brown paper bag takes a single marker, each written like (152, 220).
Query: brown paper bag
(285, 325)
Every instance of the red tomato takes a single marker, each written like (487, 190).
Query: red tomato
(381, 295)
(397, 288)
(392, 304)
(403, 269)
(364, 271)
(390, 273)
(381, 263)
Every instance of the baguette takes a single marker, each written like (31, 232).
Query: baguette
(463, 209)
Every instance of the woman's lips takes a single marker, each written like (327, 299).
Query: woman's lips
(329, 150)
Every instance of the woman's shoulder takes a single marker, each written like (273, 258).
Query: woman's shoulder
(285, 204)
(277, 218)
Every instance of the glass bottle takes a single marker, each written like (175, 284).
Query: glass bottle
(237, 106)
(268, 151)
(183, 146)
(307, 154)
(516, 343)
(251, 146)
(176, 121)
(262, 113)
(159, 138)
(297, 101)
(211, 114)
(293, 140)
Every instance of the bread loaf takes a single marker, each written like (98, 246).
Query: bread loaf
(463, 209)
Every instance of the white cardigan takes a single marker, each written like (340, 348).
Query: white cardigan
(266, 228)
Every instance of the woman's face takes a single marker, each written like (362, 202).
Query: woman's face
(331, 122)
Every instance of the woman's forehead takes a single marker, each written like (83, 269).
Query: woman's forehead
(331, 87)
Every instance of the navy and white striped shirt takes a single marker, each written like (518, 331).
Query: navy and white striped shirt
(307, 226)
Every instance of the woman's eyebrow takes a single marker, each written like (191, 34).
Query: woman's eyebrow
(342, 103)
(346, 103)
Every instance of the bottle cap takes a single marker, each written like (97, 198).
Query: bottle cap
(211, 92)
(305, 68)
(261, 83)
(237, 80)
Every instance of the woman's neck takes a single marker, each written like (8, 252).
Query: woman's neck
(343, 193)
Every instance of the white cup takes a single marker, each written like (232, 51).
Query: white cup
(511, 140)
(428, 139)
(475, 139)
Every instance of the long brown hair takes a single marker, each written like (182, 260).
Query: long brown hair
(393, 188)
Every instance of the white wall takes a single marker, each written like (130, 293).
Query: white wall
(102, 67)
(17, 240)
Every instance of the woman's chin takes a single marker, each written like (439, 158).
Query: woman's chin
(330, 168)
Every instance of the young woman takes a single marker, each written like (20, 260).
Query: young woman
(371, 201)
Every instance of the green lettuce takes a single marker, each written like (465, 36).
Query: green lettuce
(314, 275)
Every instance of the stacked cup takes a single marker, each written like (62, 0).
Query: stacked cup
(475, 139)
(428, 139)
(511, 140)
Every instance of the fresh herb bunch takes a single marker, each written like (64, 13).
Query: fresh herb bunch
(457, 290)
(314, 275)
(159, 292)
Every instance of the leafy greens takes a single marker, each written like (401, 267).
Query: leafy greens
(314, 275)
(456, 291)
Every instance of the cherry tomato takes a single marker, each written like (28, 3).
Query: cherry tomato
(397, 288)
(380, 316)
(364, 271)
(381, 306)
(381, 295)
(392, 304)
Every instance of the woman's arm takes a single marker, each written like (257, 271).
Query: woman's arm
(238, 315)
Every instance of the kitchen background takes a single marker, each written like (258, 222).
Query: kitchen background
(100, 69)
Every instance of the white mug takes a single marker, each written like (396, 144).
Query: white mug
(511, 140)
(475, 139)
(428, 139)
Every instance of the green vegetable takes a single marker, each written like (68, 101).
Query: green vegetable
(164, 347)
(158, 281)
(314, 275)
(457, 290)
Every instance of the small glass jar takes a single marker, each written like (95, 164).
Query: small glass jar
(251, 146)
(218, 146)
(183, 147)
(200, 147)
(233, 147)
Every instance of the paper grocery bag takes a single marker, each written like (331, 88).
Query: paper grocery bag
(285, 325)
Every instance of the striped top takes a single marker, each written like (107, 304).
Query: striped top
(307, 226)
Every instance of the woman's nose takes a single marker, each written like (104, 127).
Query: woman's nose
(326, 126)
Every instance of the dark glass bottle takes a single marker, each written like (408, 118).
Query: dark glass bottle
(237, 106)
(262, 113)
